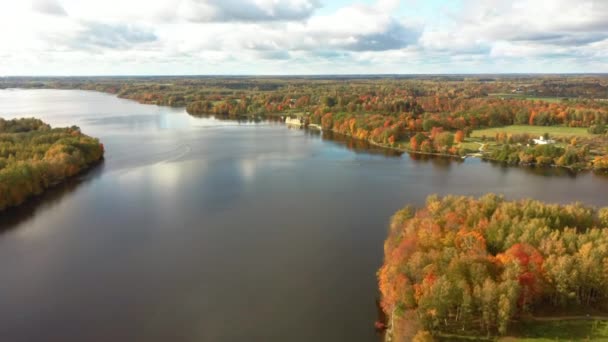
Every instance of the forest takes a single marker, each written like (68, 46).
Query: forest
(416, 114)
(34, 157)
(481, 267)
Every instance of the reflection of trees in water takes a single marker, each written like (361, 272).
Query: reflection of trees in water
(363, 146)
(543, 171)
(602, 176)
(313, 132)
(239, 118)
(357, 145)
(12, 217)
(437, 161)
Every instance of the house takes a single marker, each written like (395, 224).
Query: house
(542, 141)
(297, 121)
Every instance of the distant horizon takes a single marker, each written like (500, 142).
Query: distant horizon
(314, 75)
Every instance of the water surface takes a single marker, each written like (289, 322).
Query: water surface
(197, 229)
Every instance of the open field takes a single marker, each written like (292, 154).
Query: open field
(527, 97)
(533, 130)
(472, 146)
(546, 331)
(562, 330)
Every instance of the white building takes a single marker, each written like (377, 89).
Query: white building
(542, 141)
(296, 122)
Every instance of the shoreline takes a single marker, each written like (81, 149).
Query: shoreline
(88, 168)
(480, 155)
(483, 155)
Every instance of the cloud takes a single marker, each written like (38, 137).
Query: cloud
(246, 11)
(277, 55)
(331, 54)
(119, 36)
(559, 21)
(51, 7)
(355, 28)
(394, 36)
(524, 32)
(450, 42)
(358, 28)
(197, 11)
(563, 39)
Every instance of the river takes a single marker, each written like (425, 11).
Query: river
(197, 229)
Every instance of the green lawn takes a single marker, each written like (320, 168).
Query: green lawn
(470, 145)
(569, 330)
(533, 130)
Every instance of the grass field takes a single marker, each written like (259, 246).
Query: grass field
(568, 330)
(533, 130)
(545, 331)
(470, 146)
(528, 97)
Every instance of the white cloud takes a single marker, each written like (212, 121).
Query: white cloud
(51, 7)
(194, 10)
(248, 11)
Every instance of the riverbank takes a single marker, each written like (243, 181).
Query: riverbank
(483, 153)
(400, 149)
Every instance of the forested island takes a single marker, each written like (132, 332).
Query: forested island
(496, 117)
(34, 157)
(482, 268)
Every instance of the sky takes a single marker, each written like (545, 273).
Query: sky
(301, 37)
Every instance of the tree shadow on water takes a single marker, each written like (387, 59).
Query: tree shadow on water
(441, 162)
(12, 217)
(542, 171)
(356, 145)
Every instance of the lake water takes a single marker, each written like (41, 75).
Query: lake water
(196, 229)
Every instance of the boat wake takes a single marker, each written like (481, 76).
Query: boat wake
(176, 154)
